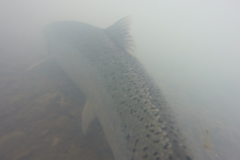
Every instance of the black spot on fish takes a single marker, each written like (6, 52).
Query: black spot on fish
(164, 115)
(171, 122)
(145, 156)
(134, 150)
(175, 134)
(152, 130)
(157, 133)
(156, 141)
(145, 148)
(144, 110)
(146, 126)
(175, 141)
(128, 136)
(136, 142)
(155, 153)
(170, 157)
(148, 135)
(122, 102)
(132, 111)
(157, 158)
(141, 119)
(165, 146)
(188, 158)
(159, 120)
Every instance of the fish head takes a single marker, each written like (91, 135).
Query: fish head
(72, 34)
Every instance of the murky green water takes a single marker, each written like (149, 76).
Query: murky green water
(40, 116)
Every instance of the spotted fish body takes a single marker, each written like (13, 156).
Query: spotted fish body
(130, 107)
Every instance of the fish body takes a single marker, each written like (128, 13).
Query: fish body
(130, 107)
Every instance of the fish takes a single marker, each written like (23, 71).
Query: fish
(134, 115)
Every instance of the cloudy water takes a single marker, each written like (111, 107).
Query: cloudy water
(190, 48)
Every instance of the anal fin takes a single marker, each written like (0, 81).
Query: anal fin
(38, 63)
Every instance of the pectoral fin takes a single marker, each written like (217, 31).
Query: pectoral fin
(88, 116)
(38, 63)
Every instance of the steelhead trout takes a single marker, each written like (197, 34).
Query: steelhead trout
(130, 107)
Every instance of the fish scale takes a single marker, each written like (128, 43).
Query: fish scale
(130, 107)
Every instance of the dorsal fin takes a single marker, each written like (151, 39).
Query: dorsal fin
(119, 34)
